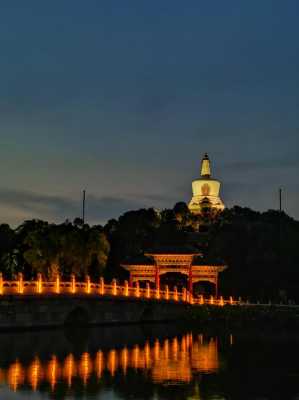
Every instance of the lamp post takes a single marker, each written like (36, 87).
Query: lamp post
(83, 206)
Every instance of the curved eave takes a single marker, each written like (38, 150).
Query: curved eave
(129, 267)
(214, 268)
(174, 254)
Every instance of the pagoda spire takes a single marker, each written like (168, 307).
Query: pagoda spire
(205, 167)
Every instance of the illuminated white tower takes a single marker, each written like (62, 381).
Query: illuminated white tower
(205, 190)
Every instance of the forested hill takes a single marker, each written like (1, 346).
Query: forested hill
(260, 249)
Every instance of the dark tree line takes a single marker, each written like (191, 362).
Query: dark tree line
(260, 249)
(39, 247)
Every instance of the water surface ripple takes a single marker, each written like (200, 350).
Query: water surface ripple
(149, 362)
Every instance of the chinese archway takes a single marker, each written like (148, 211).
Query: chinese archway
(188, 264)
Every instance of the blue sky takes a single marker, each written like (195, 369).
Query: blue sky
(122, 98)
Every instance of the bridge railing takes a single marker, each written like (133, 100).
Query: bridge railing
(100, 288)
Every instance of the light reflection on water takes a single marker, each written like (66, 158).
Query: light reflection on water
(170, 361)
(150, 363)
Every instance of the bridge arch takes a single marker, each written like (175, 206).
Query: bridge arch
(147, 313)
(77, 316)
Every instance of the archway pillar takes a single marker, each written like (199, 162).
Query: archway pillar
(190, 280)
(157, 277)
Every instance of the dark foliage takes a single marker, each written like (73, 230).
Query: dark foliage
(260, 249)
(39, 247)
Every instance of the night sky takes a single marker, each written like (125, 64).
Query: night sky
(123, 97)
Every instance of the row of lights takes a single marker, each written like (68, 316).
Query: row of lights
(114, 288)
(137, 291)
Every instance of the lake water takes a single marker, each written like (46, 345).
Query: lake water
(149, 362)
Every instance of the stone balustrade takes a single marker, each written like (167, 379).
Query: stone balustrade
(58, 287)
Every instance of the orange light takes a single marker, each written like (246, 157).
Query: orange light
(20, 283)
(157, 293)
(69, 370)
(211, 300)
(187, 341)
(157, 350)
(221, 303)
(73, 283)
(148, 290)
(166, 348)
(167, 361)
(15, 376)
(183, 346)
(87, 284)
(200, 338)
(230, 300)
(85, 367)
(175, 293)
(191, 298)
(114, 287)
(39, 283)
(184, 294)
(34, 373)
(112, 362)
(135, 356)
(57, 284)
(201, 300)
(147, 354)
(126, 291)
(137, 291)
(102, 286)
(99, 364)
(175, 348)
(124, 360)
(1, 283)
(53, 370)
(166, 292)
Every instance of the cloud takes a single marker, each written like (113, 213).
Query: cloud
(17, 205)
(30, 201)
(288, 161)
(103, 208)
(262, 196)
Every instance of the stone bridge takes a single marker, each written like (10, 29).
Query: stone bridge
(38, 303)
(30, 311)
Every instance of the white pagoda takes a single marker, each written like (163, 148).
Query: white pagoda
(205, 190)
